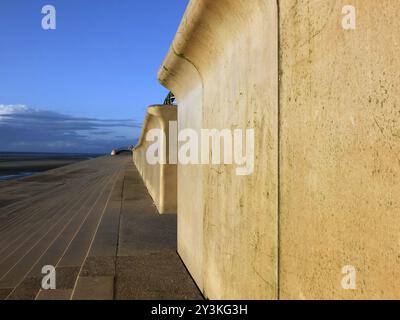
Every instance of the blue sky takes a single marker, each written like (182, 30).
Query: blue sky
(60, 89)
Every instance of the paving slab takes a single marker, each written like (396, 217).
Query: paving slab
(94, 288)
(66, 277)
(27, 290)
(154, 275)
(54, 295)
(97, 224)
(99, 266)
(4, 293)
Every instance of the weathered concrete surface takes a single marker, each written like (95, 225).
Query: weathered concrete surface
(160, 179)
(340, 147)
(224, 75)
(330, 122)
(96, 223)
(189, 92)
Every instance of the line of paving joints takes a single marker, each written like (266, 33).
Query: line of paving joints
(118, 234)
(44, 252)
(68, 203)
(78, 229)
(94, 236)
(31, 217)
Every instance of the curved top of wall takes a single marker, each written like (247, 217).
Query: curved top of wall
(202, 39)
(164, 113)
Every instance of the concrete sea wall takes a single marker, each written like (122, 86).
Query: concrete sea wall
(324, 104)
(340, 148)
(225, 76)
(160, 179)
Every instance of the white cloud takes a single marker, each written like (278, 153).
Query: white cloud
(12, 108)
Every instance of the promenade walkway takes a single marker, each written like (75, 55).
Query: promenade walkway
(96, 223)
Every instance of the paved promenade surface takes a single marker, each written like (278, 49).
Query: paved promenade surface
(96, 223)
